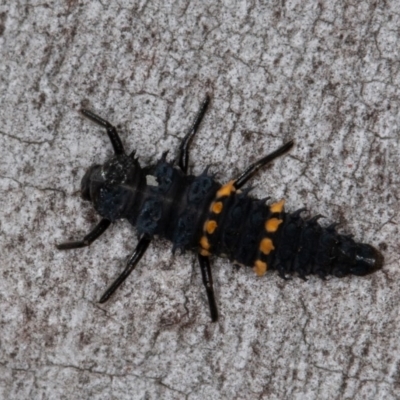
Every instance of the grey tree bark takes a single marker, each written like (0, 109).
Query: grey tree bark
(324, 73)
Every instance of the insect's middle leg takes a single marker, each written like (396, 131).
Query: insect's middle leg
(184, 147)
(130, 266)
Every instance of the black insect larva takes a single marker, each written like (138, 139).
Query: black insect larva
(197, 213)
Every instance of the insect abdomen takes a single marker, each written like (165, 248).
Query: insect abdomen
(322, 251)
(251, 233)
(241, 228)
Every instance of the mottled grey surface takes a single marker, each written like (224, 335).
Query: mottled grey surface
(325, 73)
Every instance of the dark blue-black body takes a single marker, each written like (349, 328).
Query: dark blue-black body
(159, 200)
(197, 213)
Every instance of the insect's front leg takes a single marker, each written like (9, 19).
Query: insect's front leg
(98, 230)
(111, 130)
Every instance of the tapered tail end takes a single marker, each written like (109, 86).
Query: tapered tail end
(367, 260)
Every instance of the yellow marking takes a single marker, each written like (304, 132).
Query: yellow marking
(217, 207)
(204, 243)
(277, 207)
(272, 224)
(266, 246)
(260, 267)
(210, 226)
(204, 253)
(226, 190)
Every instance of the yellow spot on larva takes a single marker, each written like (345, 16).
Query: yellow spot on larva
(272, 224)
(204, 253)
(277, 207)
(266, 246)
(226, 190)
(204, 243)
(260, 267)
(217, 207)
(210, 226)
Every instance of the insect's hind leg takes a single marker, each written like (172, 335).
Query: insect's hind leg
(111, 130)
(208, 284)
(130, 266)
(253, 168)
(97, 231)
(184, 147)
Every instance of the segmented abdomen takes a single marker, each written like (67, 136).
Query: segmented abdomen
(251, 233)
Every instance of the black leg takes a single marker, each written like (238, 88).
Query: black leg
(111, 131)
(98, 230)
(132, 262)
(208, 284)
(184, 147)
(253, 168)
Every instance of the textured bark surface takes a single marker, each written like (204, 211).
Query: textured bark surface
(324, 73)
